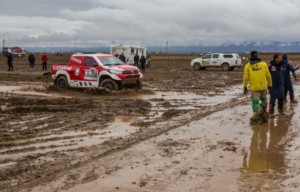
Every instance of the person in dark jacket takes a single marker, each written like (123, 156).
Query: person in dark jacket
(288, 85)
(276, 68)
(122, 58)
(136, 60)
(31, 59)
(143, 63)
(9, 56)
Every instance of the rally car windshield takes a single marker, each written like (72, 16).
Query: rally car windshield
(111, 61)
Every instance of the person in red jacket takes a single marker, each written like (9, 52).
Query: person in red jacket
(44, 62)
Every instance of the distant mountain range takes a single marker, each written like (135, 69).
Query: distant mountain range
(246, 47)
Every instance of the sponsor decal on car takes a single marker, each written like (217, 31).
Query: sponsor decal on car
(78, 61)
(60, 67)
(91, 74)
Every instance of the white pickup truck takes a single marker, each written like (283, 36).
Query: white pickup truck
(226, 61)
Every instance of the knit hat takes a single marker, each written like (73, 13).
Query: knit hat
(254, 55)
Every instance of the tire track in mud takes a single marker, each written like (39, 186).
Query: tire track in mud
(35, 136)
(167, 122)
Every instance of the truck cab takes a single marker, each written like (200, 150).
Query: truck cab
(95, 70)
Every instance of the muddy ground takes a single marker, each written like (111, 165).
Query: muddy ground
(185, 131)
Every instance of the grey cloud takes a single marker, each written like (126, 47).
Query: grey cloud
(151, 22)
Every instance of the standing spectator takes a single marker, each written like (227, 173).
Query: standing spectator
(143, 63)
(257, 74)
(44, 62)
(122, 58)
(136, 60)
(31, 60)
(288, 85)
(9, 56)
(276, 68)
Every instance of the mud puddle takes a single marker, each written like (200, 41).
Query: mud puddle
(195, 100)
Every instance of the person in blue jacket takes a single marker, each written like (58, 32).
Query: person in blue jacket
(288, 86)
(276, 68)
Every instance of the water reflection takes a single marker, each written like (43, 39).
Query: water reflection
(267, 147)
(265, 162)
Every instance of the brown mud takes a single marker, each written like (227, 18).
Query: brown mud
(185, 131)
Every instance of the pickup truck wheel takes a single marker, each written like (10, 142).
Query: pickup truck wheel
(196, 66)
(62, 83)
(109, 84)
(225, 67)
(139, 85)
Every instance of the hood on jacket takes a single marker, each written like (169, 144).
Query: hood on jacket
(254, 61)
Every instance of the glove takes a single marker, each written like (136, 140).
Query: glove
(245, 91)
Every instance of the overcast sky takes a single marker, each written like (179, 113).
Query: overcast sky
(149, 22)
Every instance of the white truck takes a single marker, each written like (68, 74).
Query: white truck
(226, 61)
(129, 52)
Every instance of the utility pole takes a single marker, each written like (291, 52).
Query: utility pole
(76, 37)
(167, 46)
(4, 40)
(159, 47)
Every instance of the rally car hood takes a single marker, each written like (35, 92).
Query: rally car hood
(123, 67)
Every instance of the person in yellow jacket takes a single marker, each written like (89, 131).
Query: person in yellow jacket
(257, 74)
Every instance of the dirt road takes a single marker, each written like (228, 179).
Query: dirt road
(185, 131)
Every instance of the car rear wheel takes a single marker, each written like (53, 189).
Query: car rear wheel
(62, 83)
(196, 66)
(225, 67)
(109, 84)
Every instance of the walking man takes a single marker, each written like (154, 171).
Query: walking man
(257, 74)
(122, 58)
(136, 60)
(276, 68)
(9, 56)
(31, 60)
(143, 63)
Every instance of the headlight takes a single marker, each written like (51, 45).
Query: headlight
(115, 71)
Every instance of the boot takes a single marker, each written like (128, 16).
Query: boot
(255, 120)
(264, 116)
(280, 106)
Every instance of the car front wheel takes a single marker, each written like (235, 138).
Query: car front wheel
(109, 84)
(139, 84)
